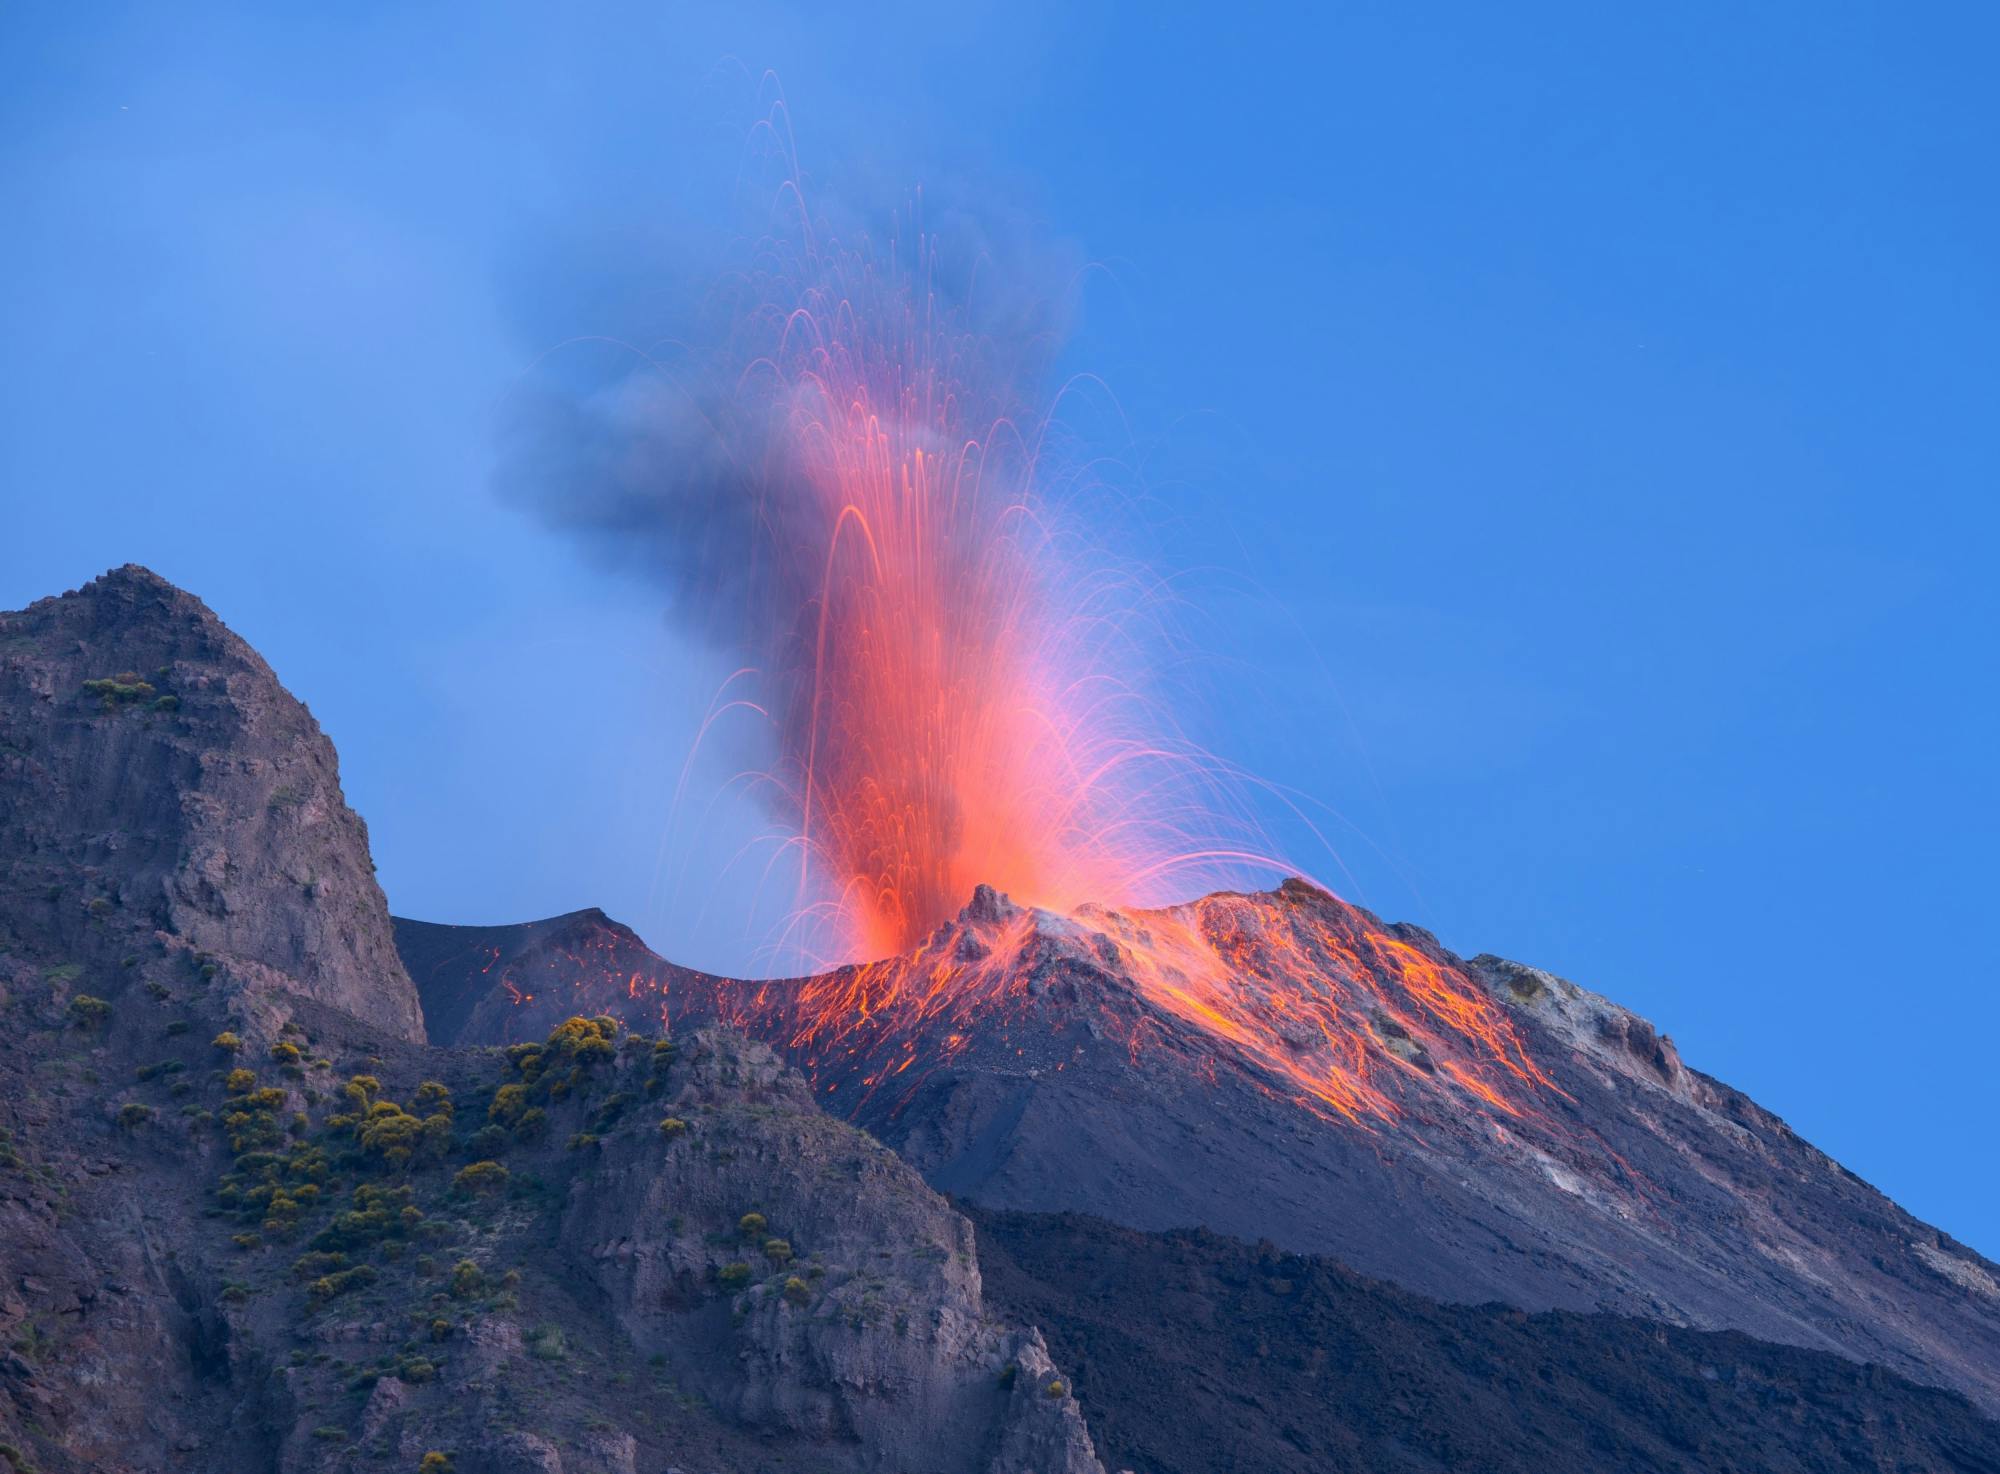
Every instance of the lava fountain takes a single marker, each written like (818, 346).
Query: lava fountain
(947, 658)
(876, 510)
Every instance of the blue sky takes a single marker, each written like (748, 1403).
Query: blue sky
(1579, 424)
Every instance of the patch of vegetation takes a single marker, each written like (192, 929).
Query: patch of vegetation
(379, 1214)
(673, 1126)
(750, 1225)
(133, 1115)
(797, 1291)
(127, 688)
(86, 1012)
(480, 1177)
(551, 1071)
(733, 1276)
(332, 1286)
(547, 1343)
(228, 1042)
(389, 1134)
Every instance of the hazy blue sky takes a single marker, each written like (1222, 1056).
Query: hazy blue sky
(1586, 417)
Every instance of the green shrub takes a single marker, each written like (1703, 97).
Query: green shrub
(734, 1276)
(584, 1040)
(509, 1101)
(133, 1115)
(378, 1214)
(480, 1177)
(434, 1097)
(673, 1126)
(123, 689)
(1054, 1389)
(750, 1225)
(286, 1053)
(327, 1433)
(239, 1082)
(331, 1286)
(583, 1141)
(797, 1291)
(228, 1042)
(467, 1279)
(312, 1266)
(547, 1343)
(778, 1251)
(434, 1463)
(87, 1012)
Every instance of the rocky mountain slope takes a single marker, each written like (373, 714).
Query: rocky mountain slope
(1198, 1354)
(155, 777)
(1288, 1067)
(250, 1221)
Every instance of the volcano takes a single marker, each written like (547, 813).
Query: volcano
(1287, 1067)
(601, 1249)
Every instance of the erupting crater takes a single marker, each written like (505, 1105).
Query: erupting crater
(1311, 999)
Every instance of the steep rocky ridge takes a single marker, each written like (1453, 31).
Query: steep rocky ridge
(1625, 1181)
(155, 777)
(249, 1221)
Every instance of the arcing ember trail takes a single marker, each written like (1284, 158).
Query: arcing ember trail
(945, 660)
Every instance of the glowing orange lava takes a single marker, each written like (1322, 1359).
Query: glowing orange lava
(1305, 996)
(959, 693)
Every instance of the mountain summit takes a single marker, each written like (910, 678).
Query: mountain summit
(154, 775)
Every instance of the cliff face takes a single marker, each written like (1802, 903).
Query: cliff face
(250, 1221)
(156, 779)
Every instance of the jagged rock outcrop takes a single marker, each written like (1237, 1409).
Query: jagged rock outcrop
(249, 1221)
(156, 778)
(860, 1318)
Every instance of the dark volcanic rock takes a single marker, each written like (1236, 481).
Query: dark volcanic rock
(501, 984)
(1196, 1354)
(1627, 1182)
(155, 777)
